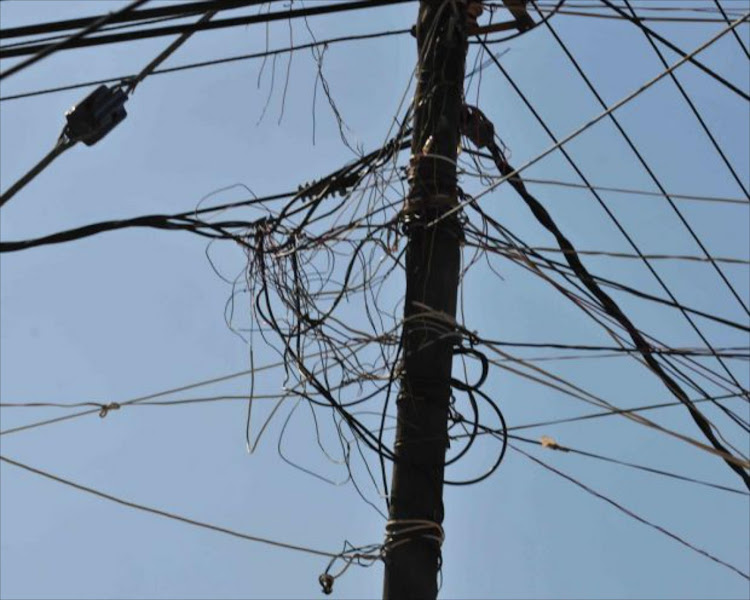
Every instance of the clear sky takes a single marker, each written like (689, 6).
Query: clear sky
(130, 313)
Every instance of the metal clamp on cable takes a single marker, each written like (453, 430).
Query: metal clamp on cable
(96, 115)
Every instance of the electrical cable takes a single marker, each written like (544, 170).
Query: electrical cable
(736, 35)
(610, 214)
(171, 11)
(481, 132)
(164, 55)
(547, 442)
(679, 51)
(209, 63)
(695, 111)
(63, 143)
(614, 412)
(645, 165)
(333, 8)
(659, 185)
(67, 140)
(619, 104)
(171, 515)
(613, 309)
(630, 513)
(620, 190)
(43, 51)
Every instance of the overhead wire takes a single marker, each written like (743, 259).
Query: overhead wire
(725, 16)
(613, 412)
(176, 517)
(610, 306)
(555, 382)
(68, 139)
(646, 166)
(559, 144)
(172, 10)
(209, 63)
(659, 185)
(331, 8)
(552, 444)
(711, 73)
(621, 190)
(41, 52)
(694, 110)
(594, 120)
(630, 513)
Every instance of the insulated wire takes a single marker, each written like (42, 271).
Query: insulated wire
(630, 513)
(559, 144)
(40, 52)
(333, 8)
(170, 515)
(209, 63)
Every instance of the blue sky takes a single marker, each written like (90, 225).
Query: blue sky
(130, 313)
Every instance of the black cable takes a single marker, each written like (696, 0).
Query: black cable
(562, 268)
(334, 8)
(173, 11)
(177, 221)
(657, 182)
(659, 351)
(736, 35)
(42, 51)
(623, 463)
(501, 434)
(679, 51)
(614, 310)
(603, 204)
(106, 28)
(630, 513)
(63, 143)
(695, 111)
(68, 138)
(481, 131)
(209, 63)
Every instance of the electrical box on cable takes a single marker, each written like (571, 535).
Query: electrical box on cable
(96, 115)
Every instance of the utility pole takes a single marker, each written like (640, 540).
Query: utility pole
(414, 532)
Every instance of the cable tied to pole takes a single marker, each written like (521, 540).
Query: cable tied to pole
(403, 531)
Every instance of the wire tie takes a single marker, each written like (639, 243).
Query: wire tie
(105, 408)
(548, 442)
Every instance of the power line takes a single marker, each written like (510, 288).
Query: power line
(40, 52)
(176, 517)
(147, 397)
(559, 144)
(736, 35)
(548, 442)
(679, 51)
(613, 254)
(105, 28)
(732, 352)
(696, 112)
(483, 131)
(336, 8)
(643, 162)
(658, 184)
(97, 118)
(593, 121)
(602, 188)
(615, 412)
(630, 513)
(171, 11)
(210, 63)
